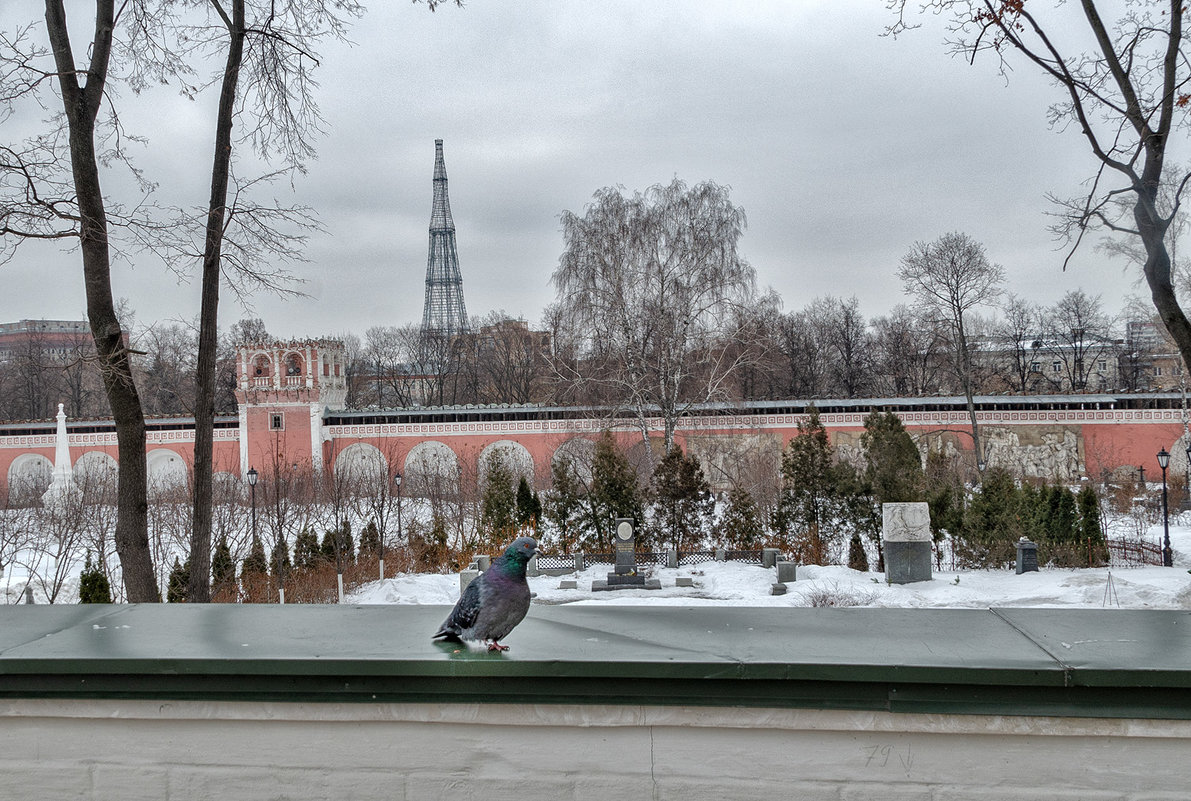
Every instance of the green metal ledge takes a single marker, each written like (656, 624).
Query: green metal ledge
(1086, 663)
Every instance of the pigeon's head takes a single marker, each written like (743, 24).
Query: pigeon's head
(522, 548)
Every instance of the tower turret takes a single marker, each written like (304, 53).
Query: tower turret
(283, 389)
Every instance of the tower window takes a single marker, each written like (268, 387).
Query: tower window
(276, 422)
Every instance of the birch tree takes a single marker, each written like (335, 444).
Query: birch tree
(646, 287)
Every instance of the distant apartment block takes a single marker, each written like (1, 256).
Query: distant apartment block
(49, 339)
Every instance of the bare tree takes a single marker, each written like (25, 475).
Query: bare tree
(950, 278)
(1018, 339)
(645, 284)
(509, 358)
(804, 344)
(165, 368)
(1125, 90)
(849, 350)
(52, 191)
(271, 46)
(906, 353)
(1079, 338)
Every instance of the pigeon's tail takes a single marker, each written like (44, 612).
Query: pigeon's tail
(448, 633)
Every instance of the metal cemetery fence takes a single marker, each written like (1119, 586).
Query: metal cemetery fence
(748, 557)
(1133, 553)
(695, 557)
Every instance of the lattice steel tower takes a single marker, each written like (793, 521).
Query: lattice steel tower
(444, 313)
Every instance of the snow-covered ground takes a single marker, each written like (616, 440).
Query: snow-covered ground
(735, 584)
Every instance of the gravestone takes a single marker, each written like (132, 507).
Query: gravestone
(769, 556)
(467, 577)
(1027, 556)
(905, 531)
(624, 574)
(786, 571)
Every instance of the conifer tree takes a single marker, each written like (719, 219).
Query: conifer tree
(682, 501)
(893, 466)
(94, 587)
(254, 573)
(279, 562)
(370, 540)
(306, 550)
(529, 505)
(992, 522)
(857, 558)
(1089, 515)
(498, 504)
(810, 498)
(178, 581)
(614, 492)
(223, 569)
(945, 495)
(1091, 533)
(255, 563)
(338, 548)
(740, 524)
(564, 503)
(1061, 516)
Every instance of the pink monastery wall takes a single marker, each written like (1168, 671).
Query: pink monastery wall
(284, 390)
(1068, 444)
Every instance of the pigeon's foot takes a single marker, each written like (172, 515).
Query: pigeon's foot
(495, 646)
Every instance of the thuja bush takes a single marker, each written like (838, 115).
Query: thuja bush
(1066, 529)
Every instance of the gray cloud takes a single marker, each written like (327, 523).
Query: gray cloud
(842, 146)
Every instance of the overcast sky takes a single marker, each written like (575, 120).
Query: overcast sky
(843, 147)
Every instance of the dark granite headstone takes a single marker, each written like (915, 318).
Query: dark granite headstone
(1027, 556)
(624, 574)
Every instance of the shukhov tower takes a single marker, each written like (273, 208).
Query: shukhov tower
(444, 313)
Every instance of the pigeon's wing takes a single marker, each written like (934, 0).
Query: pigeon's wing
(464, 615)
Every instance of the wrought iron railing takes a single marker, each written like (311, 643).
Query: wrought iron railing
(1132, 553)
(695, 557)
(653, 558)
(555, 561)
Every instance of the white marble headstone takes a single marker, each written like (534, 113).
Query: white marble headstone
(905, 522)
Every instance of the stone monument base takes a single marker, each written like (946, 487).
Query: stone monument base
(907, 562)
(616, 582)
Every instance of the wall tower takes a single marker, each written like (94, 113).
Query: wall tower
(283, 389)
(444, 314)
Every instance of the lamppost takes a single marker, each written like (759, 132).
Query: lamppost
(397, 484)
(252, 475)
(1163, 462)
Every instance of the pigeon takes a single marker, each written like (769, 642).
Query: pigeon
(495, 602)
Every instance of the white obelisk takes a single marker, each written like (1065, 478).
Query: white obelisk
(62, 488)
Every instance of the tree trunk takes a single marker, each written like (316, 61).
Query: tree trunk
(1158, 277)
(204, 411)
(81, 105)
(965, 378)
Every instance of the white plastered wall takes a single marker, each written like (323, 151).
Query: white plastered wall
(206, 750)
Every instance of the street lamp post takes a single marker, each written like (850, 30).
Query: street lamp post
(1164, 462)
(252, 476)
(397, 484)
